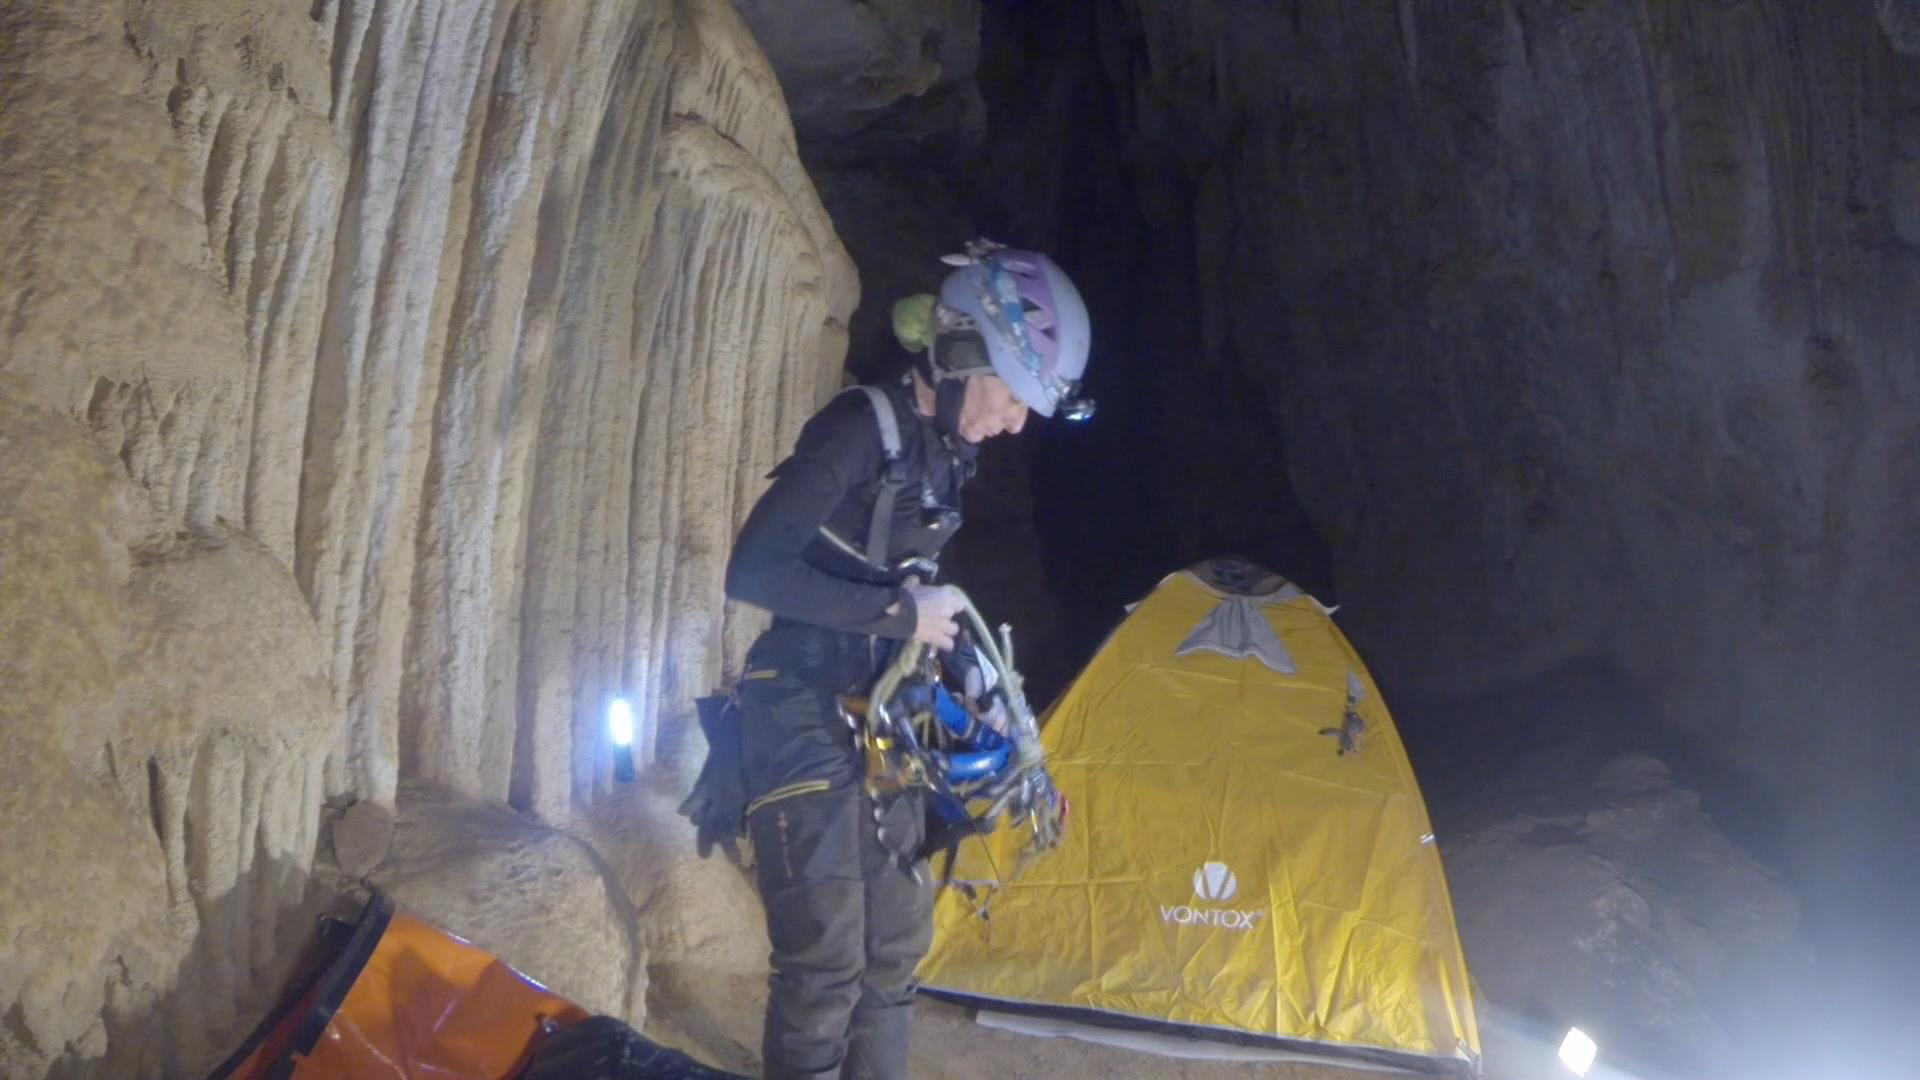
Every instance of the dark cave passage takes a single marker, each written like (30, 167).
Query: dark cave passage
(1568, 351)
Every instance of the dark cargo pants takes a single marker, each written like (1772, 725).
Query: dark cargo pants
(847, 924)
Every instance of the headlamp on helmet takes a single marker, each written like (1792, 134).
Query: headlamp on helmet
(1030, 319)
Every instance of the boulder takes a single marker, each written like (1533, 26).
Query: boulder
(1609, 900)
(361, 837)
(537, 898)
(700, 919)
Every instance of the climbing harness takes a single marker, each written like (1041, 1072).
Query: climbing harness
(894, 478)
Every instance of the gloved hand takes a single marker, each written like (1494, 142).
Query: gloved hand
(717, 806)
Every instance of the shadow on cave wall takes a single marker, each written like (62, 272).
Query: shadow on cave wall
(224, 989)
(1576, 715)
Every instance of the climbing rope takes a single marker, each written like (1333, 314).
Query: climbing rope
(900, 753)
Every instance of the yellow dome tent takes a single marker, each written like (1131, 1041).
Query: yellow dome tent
(1235, 881)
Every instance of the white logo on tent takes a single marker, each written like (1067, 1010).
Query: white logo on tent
(1215, 882)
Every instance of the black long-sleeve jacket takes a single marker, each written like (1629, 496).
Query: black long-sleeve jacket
(798, 555)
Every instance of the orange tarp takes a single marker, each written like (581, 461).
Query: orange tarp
(426, 1004)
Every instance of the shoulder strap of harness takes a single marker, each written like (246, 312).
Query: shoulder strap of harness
(880, 526)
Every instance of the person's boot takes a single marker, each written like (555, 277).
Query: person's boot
(879, 1044)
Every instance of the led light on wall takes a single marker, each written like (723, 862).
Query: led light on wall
(620, 730)
(1577, 1052)
(620, 722)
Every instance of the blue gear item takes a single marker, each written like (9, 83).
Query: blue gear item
(990, 748)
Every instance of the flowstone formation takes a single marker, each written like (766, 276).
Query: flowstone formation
(381, 384)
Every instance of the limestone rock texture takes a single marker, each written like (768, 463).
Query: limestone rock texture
(381, 386)
(84, 893)
(170, 719)
(537, 898)
(701, 930)
(1578, 331)
(226, 716)
(454, 307)
(843, 64)
(1606, 894)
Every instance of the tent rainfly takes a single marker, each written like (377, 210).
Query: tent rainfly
(1249, 871)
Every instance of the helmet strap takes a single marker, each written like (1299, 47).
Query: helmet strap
(949, 388)
(949, 396)
(955, 355)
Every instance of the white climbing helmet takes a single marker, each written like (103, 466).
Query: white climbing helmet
(1031, 319)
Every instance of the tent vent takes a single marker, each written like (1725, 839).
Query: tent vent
(1238, 628)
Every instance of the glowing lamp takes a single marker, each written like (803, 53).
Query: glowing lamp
(620, 722)
(620, 730)
(1577, 1052)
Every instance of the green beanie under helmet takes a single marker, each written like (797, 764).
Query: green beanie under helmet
(913, 322)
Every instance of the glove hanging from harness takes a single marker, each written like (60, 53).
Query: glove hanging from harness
(717, 805)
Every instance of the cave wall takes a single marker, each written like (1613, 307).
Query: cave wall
(381, 385)
(846, 65)
(407, 292)
(1587, 331)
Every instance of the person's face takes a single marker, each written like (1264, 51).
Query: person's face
(990, 409)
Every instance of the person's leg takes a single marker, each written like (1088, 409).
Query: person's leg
(806, 824)
(899, 928)
(807, 856)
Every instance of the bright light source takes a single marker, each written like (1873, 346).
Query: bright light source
(1577, 1052)
(620, 722)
